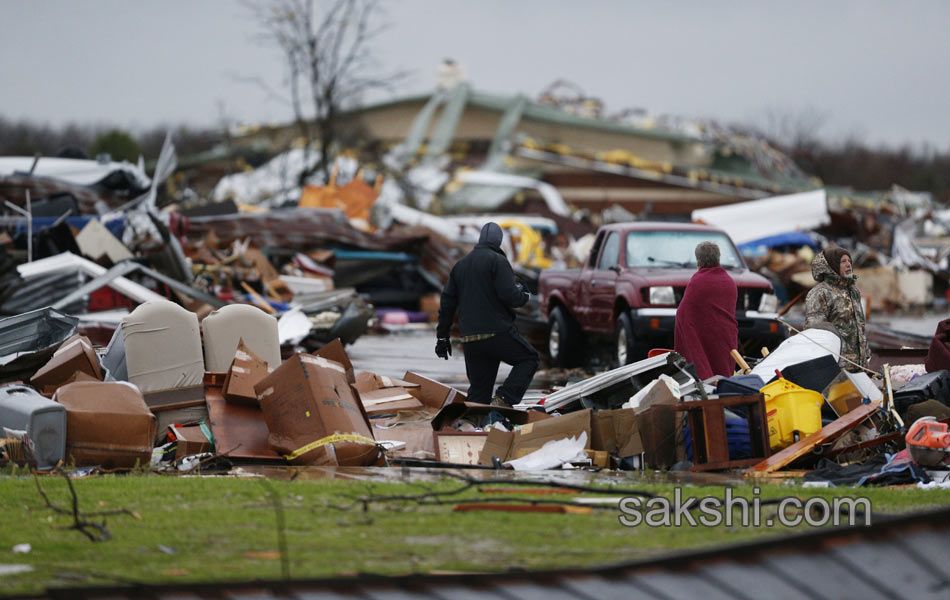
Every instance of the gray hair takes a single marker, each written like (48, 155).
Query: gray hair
(707, 255)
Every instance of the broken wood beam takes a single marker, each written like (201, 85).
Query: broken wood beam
(828, 433)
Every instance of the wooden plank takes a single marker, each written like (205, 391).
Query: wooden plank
(828, 433)
(239, 431)
(714, 423)
(789, 474)
(726, 464)
(759, 429)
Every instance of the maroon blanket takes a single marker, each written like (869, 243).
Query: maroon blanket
(706, 328)
(938, 356)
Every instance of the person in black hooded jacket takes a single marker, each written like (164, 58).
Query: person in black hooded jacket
(483, 289)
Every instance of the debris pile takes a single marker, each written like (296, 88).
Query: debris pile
(143, 333)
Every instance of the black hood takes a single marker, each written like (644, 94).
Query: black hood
(491, 235)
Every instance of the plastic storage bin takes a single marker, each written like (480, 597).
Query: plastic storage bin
(793, 412)
(23, 409)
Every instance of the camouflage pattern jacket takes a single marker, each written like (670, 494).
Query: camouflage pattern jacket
(836, 300)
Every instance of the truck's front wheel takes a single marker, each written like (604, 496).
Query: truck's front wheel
(625, 346)
(562, 339)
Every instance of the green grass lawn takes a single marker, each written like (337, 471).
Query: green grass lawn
(221, 528)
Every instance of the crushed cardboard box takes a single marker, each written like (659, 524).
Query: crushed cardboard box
(616, 432)
(76, 355)
(509, 445)
(452, 412)
(431, 393)
(335, 351)
(190, 440)
(245, 372)
(384, 395)
(313, 414)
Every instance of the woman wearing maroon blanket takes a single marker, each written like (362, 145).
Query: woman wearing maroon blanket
(706, 328)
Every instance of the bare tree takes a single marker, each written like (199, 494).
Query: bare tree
(792, 128)
(328, 54)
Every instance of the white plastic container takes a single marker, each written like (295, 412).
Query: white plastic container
(23, 409)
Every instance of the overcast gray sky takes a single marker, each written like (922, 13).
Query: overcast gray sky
(875, 69)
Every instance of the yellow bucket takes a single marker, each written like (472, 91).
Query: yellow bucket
(793, 412)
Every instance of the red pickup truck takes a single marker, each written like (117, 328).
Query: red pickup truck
(627, 292)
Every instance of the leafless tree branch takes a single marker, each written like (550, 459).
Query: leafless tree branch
(327, 50)
(80, 523)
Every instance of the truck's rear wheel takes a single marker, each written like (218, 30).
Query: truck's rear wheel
(562, 339)
(625, 347)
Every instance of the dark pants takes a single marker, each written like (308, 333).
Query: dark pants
(481, 365)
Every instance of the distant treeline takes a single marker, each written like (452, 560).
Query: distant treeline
(855, 164)
(25, 138)
(849, 163)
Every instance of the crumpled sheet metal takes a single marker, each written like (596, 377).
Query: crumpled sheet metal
(163, 347)
(27, 341)
(13, 189)
(296, 228)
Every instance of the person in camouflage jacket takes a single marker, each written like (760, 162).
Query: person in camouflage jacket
(836, 299)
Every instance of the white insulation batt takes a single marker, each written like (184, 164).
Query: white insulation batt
(757, 219)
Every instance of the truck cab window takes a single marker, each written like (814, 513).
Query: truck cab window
(610, 257)
(595, 249)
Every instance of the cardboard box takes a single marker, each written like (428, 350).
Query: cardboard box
(658, 392)
(50, 390)
(657, 426)
(76, 355)
(388, 400)
(336, 352)
(451, 412)
(509, 445)
(245, 372)
(616, 432)
(190, 439)
(313, 414)
(598, 458)
(107, 424)
(432, 393)
(458, 448)
(380, 394)
(367, 381)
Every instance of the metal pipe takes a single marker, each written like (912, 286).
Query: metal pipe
(29, 225)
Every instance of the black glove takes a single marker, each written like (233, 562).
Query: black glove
(523, 289)
(443, 348)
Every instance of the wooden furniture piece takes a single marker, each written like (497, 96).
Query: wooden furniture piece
(707, 426)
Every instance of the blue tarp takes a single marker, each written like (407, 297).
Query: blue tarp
(792, 238)
(374, 255)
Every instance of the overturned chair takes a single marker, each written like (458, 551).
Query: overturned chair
(158, 349)
(227, 326)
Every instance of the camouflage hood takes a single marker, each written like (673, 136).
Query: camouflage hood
(822, 271)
